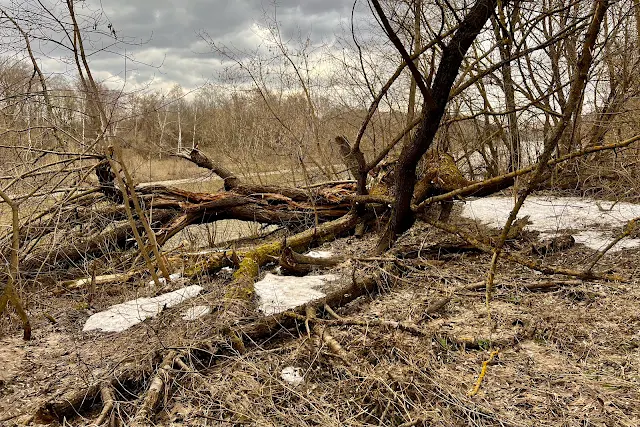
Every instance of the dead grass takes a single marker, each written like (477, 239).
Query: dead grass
(568, 356)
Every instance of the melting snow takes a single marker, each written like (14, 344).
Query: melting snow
(280, 293)
(172, 277)
(292, 375)
(551, 215)
(123, 316)
(193, 313)
(320, 254)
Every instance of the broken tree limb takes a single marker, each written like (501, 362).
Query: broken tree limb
(242, 286)
(354, 160)
(108, 402)
(174, 209)
(519, 259)
(199, 158)
(326, 337)
(93, 246)
(299, 264)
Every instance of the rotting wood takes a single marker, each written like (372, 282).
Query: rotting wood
(242, 286)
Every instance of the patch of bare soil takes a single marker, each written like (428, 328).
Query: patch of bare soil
(566, 355)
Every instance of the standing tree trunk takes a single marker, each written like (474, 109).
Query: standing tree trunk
(402, 217)
(417, 42)
(505, 43)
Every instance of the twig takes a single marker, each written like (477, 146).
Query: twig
(483, 372)
(630, 228)
(527, 262)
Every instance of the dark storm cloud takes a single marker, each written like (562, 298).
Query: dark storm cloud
(167, 34)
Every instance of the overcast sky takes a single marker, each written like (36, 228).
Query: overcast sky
(169, 32)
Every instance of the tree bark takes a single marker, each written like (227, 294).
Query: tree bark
(402, 217)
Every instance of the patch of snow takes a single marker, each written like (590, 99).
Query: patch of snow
(280, 293)
(292, 375)
(595, 240)
(320, 254)
(551, 215)
(120, 317)
(193, 313)
(227, 269)
(173, 277)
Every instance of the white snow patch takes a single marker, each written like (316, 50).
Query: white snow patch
(292, 375)
(320, 254)
(551, 215)
(123, 316)
(227, 269)
(193, 313)
(280, 293)
(596, 240)
(172, 277)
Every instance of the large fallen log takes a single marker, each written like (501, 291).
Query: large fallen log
(173, 210)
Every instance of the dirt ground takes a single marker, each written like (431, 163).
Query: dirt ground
(566, 355)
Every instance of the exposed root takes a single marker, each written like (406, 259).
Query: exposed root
(108, 402)
(155, 392)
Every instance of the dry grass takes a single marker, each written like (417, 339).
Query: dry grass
(568, 356)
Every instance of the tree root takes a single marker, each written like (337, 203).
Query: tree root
(155, 392)
(108, 402)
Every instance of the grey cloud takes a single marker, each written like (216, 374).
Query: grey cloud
(162, 38)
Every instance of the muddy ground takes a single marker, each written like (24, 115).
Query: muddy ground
(567, 355)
